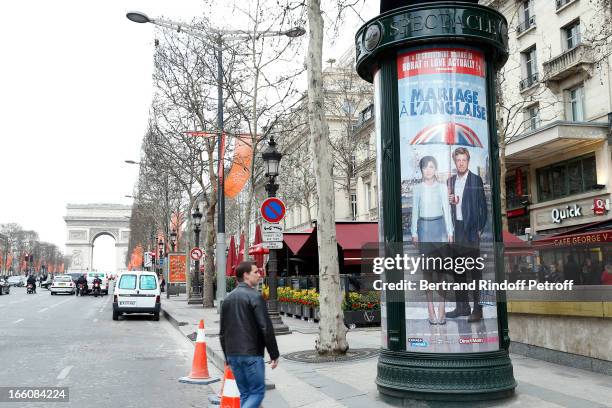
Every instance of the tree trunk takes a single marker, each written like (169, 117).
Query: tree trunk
(209, 269)
(332, 332)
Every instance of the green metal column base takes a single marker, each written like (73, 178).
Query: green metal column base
(402, 375)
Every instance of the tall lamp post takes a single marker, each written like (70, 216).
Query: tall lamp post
(173, 239)
(220, 36)
(196, 289)
(160, 260)
(272, 157)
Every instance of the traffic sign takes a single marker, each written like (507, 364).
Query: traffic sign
(272, 237)
(196, 253)
(273, 245)
(273, 209)
(147, 259)
(272, 227)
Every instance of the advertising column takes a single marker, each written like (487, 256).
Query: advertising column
(433, 66)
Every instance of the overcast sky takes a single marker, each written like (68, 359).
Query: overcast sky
(76, 89)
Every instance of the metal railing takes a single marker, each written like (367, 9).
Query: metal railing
(528, 82)
(525, 25)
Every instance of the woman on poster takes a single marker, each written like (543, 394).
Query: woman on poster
(431, 225)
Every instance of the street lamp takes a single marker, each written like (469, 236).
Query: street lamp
(173, 239)
(139, 17)
(272, 157)
(196, 296)
(160, 245)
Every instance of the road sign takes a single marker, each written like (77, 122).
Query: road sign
(272, 237)
(273, 209)
(272, 227)
(196, 253)
(273, 245)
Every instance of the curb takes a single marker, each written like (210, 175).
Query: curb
(217, 359)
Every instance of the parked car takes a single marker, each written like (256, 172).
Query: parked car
(17, 280)
(137, 292)
(62, 284)
(5, 287)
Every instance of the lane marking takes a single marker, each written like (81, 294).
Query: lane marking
(43, 310)
(64, 373)
(17, 321)
(60, 303)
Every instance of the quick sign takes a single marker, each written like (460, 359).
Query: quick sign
(558, 215)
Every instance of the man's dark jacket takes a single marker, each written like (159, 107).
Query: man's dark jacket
(246, 327)
(473, 206)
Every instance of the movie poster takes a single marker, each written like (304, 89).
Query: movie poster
(446, 198)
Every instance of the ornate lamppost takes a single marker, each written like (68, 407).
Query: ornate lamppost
(196, 289)
(173, 240)
(433, 65)
(272, 157)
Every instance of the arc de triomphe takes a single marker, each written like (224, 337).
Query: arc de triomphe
(86, 222)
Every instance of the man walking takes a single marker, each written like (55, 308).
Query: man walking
(469, 214)
(246, 329)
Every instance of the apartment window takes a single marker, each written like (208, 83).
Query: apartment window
(575, 104)
(354, 206)
(368, 197)
(530, 68)
(573, 176)
(532, 117)
(571, 33)
(353, 165)
(526, 16)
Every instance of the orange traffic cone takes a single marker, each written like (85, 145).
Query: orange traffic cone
(230, 397)
(199, 369)
(215, 399)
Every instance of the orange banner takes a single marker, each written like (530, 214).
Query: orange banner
(240, 171)
(177, 266)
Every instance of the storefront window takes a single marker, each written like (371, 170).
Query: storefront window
(516, 190)
(584, 265)
(566, 178)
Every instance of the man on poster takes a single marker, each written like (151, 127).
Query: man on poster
(469, 215)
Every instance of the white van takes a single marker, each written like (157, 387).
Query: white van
(137, 292)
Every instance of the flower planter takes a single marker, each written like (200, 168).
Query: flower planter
(295, 310)
(282, 307)
(362, 317)
(316, 314)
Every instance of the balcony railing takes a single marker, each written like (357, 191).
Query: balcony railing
(569, 63)
(526, 25)
(528, 82)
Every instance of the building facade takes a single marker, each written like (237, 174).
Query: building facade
(554, 124)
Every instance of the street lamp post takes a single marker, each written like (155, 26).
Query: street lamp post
(173, 239)
(196, 289)
(272, 157)
(139, 17)
(160, 245)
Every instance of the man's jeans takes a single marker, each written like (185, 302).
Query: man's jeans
(249, 372)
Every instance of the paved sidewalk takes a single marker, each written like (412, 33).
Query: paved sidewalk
(351, 384)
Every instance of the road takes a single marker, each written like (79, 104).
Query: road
(73, 342)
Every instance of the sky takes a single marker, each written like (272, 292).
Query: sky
(74, 98)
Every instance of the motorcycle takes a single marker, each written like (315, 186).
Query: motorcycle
(96, 289)
(31, 289)
(81, 289)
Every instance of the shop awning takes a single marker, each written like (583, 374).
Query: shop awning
(590, 234)
(296, 240)
(513, 245)
(353, 236)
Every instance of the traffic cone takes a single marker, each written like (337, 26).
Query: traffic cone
(230, 397)
(215, 399)
(199, 369)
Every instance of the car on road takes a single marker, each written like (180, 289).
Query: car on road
(5, 287)
(74, 275)
(103, 277)
(62, 284)
(47, 283)
(137, 292)
(17, 280)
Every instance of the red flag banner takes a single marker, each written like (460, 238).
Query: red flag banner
(241, 167)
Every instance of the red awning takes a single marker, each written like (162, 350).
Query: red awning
(296, 240)
(513, 245)
(353, 236)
